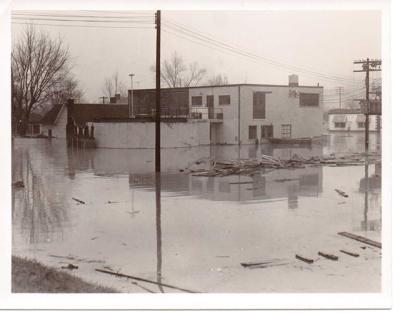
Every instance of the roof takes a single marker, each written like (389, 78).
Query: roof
(51, 115)
(344, 111)
(233, 85)
(89, 112)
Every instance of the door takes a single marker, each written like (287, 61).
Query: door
(210, 106)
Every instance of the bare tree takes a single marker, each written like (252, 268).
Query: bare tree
(68, 89)
(108, 87)
(38, 64)
(195, 75)
(174, 72)
(218, 80)
(112, 86)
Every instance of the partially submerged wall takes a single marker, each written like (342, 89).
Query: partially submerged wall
(142, 134)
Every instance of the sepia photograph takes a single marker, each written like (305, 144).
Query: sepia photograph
(208, 151)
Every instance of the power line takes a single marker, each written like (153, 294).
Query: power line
(183, 30)
(83, 26)
(83, 16)
(82, 20)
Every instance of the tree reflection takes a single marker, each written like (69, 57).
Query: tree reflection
(38, 217)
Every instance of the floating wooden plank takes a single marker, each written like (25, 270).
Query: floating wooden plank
(361, 239)
(328, 256)
(342, 193)
(264, 264)
(144, 280)
(261, 263)
(307, 260)
(77, 200)
(356, 255)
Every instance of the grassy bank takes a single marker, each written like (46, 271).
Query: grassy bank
(29, 276)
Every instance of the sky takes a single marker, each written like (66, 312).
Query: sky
(318, 45)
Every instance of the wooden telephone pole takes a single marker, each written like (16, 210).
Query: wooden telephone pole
(158, 96)
(367, 67)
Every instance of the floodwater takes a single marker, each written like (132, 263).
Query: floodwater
(195, 233)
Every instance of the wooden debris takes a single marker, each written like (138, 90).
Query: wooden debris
(269, 263)
(361, 239)
(356, 255)
(307, 260)
(77, 200)
(70, 267)
(328, 256)
(144, 280)
(252, 166)
(342, 193)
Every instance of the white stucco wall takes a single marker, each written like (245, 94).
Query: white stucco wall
(281, 109)
(142, 134)
(228, 130)
(351, 123)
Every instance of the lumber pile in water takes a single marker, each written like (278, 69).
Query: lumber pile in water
(252, 166)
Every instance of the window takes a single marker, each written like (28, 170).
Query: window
(309, 99)
(286, 130)
(258, 105)
(340, 124)
(224, 100)
(197, 101)
(252, 132)
(266, 131)
(361, 124)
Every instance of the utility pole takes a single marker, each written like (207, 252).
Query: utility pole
(131, 75)
(367, 67)
(158, 92)
(340, 89)
(103, 98)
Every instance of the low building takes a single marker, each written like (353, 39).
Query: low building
(54, 121)
(351, 120)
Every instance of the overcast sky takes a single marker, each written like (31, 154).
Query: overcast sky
(318, 42)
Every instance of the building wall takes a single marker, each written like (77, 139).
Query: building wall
(351, 122)
(228, 129)
(59, 128)
(142, 135)
(281, 108)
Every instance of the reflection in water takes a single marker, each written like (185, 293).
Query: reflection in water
(371, 186)
(40, 214)
(158, 230)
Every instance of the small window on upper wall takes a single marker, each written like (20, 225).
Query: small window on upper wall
(309, 99)
(224, 100)
(197, 101)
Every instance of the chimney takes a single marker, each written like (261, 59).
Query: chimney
(293, 80)
(113, 100)
(117, 96)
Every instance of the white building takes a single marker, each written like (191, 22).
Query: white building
(351, 120)
(250, 113)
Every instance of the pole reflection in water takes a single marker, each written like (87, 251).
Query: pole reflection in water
(158, 229)
(366, 193)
